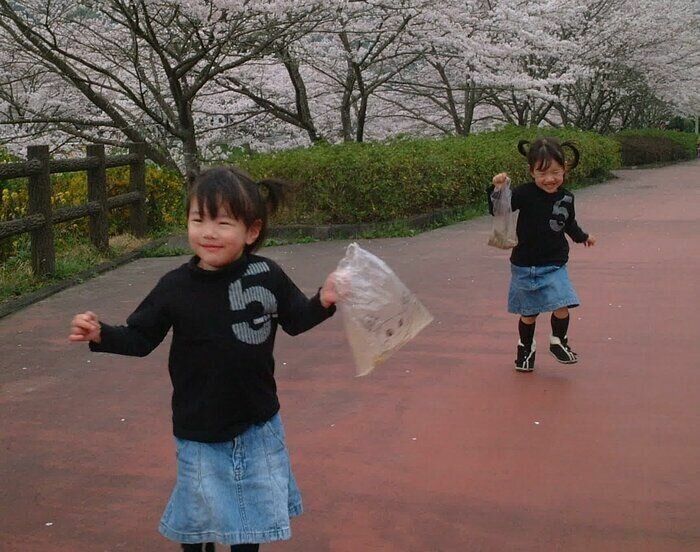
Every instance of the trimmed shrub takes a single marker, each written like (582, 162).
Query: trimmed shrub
(375, 182)
(648, 146)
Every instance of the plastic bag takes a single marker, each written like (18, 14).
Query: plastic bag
(505, 220)
(380, 313)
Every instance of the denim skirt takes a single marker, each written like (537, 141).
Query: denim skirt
(235, 492)
(536, 289)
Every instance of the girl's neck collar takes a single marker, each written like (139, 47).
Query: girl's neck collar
(235, 269)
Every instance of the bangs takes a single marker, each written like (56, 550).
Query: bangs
(543, 153)
(219, 190)
(542, 163)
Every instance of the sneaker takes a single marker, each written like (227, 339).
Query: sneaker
(525, 362)
(561, 350)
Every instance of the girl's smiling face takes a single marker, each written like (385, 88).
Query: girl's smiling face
(220, 240)
(549, 179)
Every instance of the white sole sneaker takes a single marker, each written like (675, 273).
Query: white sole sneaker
(565, 354)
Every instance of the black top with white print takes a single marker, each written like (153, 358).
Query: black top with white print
(542, 222)
(224, 324)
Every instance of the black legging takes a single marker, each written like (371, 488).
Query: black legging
(209, 547)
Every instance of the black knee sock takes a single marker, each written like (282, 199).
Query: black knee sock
(560, 326)
(208, 547)
(527, 332)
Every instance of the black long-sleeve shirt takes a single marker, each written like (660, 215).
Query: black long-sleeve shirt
(224, 324)
(542, 222)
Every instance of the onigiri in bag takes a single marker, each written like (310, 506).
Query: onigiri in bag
(380, 313)
(505, 220)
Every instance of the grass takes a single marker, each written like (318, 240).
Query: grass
(166, 251)
(74, 254)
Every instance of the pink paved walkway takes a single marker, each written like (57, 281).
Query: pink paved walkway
(445, 447)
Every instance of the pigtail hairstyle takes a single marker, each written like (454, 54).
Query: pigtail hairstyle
(577, 156)
(275, 193)
(521, 148)
(272, 193)
(543, 151)
(266, 196)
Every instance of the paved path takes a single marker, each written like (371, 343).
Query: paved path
(445, 447)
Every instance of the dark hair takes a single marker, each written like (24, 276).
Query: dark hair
(543, 151)
(245, 199)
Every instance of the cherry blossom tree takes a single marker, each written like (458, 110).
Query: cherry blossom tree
(642, 60)
(137, 70)
(190, 76)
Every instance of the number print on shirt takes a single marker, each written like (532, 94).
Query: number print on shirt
(560, 214)
(256, 331)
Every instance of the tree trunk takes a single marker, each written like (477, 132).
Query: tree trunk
(301, 95)
(346, 106)
(189, 140)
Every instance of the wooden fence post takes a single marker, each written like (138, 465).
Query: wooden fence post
(97, 191)
(137, 180)
(43, 250)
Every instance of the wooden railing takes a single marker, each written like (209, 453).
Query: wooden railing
(41, 217)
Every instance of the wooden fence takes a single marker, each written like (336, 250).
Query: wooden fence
(42, 217)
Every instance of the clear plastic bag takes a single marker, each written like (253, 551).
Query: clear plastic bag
(380, 313)
(505, 220)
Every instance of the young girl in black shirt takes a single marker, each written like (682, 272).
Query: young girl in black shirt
(234, 480)
(539, 278)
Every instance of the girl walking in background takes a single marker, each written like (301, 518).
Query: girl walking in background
(539, 277)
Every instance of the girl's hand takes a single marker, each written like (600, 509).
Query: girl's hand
(329, 292)
(85, 327)
(590, 242)
(500, 180)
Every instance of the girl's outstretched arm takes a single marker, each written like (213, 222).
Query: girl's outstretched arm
(145, 328)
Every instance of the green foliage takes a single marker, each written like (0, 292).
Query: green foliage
(682, 124)
(647, 146)
(374, 182)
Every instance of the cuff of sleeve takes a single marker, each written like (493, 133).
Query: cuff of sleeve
(319, 308)
(104, 338)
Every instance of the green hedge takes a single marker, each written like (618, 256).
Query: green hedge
(373, 182)
(648, 146)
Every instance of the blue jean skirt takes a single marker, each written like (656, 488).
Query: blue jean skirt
(235, 492)
(536, 289)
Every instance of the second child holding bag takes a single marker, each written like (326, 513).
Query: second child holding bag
(539, 278)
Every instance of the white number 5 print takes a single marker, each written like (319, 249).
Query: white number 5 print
(258, 330)
(556, 224)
